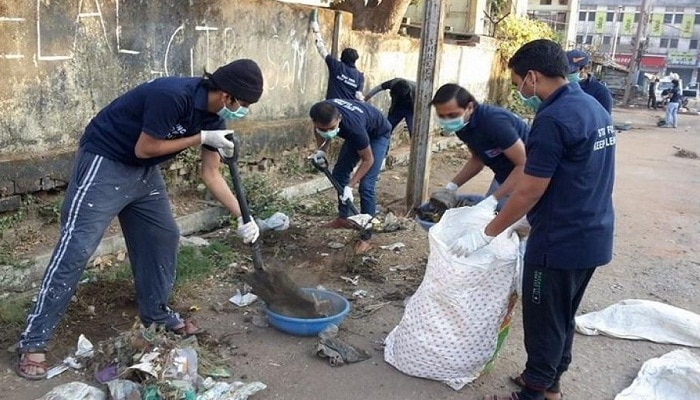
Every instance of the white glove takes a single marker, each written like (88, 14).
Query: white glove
(488, 204)
(347, 195)
(248, 232)
(318, 156)
(451, 186)
(217, 139)
(314, 27)
(469, 243)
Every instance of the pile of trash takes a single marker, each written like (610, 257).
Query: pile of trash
(151, 364)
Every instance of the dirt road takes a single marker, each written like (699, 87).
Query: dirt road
(657, 257)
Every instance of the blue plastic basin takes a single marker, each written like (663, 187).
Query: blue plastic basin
(428, 224)
(311, 326)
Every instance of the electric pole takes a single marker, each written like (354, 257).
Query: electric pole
(638, 51)
(431, 39)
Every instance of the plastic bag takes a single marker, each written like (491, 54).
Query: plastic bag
(232, 391)
(74, 391)
(277, 222)
(122, 389)
(673, 376)
(458, 319)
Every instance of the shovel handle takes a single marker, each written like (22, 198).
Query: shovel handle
(239, 191)
(323, 167)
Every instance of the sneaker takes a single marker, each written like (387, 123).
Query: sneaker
(340, 223)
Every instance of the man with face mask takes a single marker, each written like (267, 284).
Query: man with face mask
(566, 191)
(366, 135)
(345, 81)
(496, 138)
(117, 174)
(403, 95)
(578, 72)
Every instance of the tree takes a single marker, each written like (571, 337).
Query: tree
(380, 16)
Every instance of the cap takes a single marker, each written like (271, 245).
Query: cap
(577, 59)
(242, 79)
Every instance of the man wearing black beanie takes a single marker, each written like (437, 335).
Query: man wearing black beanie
(117, 174)
(344, 79)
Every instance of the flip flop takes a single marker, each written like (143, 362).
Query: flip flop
(182, 331)
(23, 362)
(520, 382)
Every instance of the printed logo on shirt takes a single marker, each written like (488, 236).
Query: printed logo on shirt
(491, 153)
(176, 131)
(348, 105)
(537, 287)
(606, 138)
(346, 80)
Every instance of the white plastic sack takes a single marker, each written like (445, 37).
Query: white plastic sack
(74, 391)
(643, 320)
(459, 317)
(673, 376)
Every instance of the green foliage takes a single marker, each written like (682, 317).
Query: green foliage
(263, 198)
(198, 262)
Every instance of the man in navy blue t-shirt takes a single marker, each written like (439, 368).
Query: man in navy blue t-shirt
(116, 174)
(345, 81)
(403, 96)
(495, 137)
(367, 134)
(579, 72)
(566, 192)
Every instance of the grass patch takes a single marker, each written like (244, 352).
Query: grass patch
(199, 262)
(13, 310)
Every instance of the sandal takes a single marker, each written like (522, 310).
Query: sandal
(551, 394)
(512, 396)
(188, 329)
(23, 362)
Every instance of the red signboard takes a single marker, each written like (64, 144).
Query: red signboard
(648, 61)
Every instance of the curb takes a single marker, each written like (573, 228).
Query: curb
(16, 279)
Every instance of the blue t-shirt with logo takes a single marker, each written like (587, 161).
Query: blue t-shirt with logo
(360, 122)
(599, 92)
(490, 131)
(572, 142)
(164, 108)
(343, 80)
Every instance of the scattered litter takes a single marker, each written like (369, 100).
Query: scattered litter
(335, 350)
(260, 321)
(324, 254)
(329, 331)
(122, 389)
(181, 364)
(243, 300)
(195, 308)
(107, 374)
(74, 391)
(400, 268)
(277, 222)
(275, 364)
(83, 352)
(623, 126)
(321, 287)
(643, 319)
(121, 256)
(683, 153)
(232, 391)
(195, 241)
(359, 293)
(361, 220)
(219, 372)
(394, 246)
(673, 376)
(353, 281)
(367, 310)
(208, 383)
(336, 245)
(392, 223)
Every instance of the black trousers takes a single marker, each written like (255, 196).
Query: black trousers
(651, 103)
(550, 300)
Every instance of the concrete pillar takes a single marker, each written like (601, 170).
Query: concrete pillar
(476, 16)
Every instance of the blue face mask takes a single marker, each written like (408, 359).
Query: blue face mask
(227, 114)
(533, 101)
(574, 77)
(328, 135)
(452, 124)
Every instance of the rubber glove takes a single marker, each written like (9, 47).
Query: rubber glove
(347, 195)
(314, 27)
(318, 156)
(469, 243)
(451, 186)
(488, 204)
(248, 232)
(218, 140)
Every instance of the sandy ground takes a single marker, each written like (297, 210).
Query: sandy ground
(657, 257)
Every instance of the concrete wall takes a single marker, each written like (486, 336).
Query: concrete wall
(62, 61)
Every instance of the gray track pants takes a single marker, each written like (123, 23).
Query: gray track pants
(99, 190)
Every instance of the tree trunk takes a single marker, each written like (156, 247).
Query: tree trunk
(380, 16)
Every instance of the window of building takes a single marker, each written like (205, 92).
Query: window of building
(693, 44)
(591, 16)
(678, 18)
(697, 19)
(663, 43)
(606, 39)
(636, 17)
(545, 2)
(610, 17)
(589, 39)
(563, 2)
(668, 18)
(582, 16)
(579, 39)
(674, 44)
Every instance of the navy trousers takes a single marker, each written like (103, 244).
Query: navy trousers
(99, 190)
(397, 115)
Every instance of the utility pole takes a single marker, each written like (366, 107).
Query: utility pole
(431, 38)
(618, 17)
(638, 52)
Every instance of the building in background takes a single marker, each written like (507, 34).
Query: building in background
(464, 16)
(560, 15)
(608, 29)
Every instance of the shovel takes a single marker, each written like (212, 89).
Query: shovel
(273, 286)
(364, 226)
